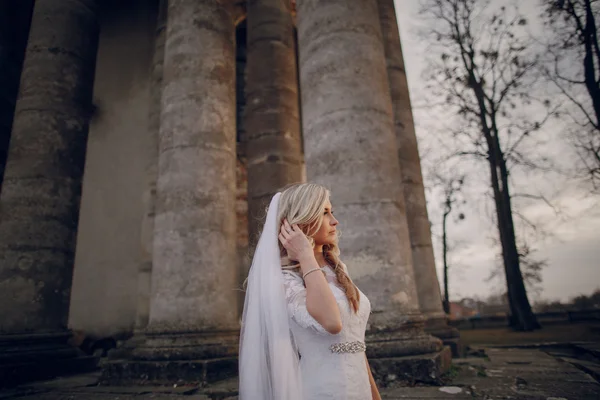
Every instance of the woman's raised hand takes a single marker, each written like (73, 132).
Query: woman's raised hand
(295, 241)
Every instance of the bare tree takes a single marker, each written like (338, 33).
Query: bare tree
(486, 74)
(452, 188)
(573, 67)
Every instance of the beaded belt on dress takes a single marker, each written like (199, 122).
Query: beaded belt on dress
(348, 347)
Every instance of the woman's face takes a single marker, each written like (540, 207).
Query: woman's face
(327, 233)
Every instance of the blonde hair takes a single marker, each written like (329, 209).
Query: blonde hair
(304, 204)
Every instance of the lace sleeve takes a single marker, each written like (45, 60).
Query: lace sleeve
(295, 294)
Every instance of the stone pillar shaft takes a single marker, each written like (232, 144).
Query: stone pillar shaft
(193, 327)
(350, 148)
(428, 287)
(40, 198)
(194, 271)
(272, 118)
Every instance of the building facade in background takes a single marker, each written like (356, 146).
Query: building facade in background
(140, 150)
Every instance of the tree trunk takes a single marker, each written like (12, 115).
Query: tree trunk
(522, 317)
(591, 67)
(445, 254)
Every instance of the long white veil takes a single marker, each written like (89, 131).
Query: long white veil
(268, 364)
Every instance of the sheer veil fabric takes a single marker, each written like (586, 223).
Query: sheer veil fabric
(268, 363)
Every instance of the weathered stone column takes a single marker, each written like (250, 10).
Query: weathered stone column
(428, 288)
(194, 228)
(39, 204)
(193, 328)
(149, 196)
(350, 147)
(272, 118)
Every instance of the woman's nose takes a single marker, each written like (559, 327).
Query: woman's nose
(334, 221)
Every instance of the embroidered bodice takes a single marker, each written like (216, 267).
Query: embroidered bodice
(327, 374)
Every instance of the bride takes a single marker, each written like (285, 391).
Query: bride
(304, 320)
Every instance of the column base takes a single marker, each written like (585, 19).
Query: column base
(405, 340)
(166, 358)
(422, 368)
(407, 355)
(29, 357)
(449, 335)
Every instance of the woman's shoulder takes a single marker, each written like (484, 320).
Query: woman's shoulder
(291, 273)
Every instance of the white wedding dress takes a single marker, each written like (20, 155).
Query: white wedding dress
(326, 374)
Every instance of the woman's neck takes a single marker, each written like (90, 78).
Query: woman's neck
(319, 255)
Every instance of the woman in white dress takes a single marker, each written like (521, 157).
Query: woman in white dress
(304, 321)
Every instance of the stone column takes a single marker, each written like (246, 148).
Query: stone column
(350, 147)
(272, 118)
(194, 228)
(193, 327)
(428, 288)
(39, 204)
(149, 196)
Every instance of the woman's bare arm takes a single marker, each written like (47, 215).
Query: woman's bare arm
(320, 302)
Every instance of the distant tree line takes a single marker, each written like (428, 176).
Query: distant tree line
(581, 302)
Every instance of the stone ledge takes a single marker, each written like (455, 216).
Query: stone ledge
(404, 343)
(15, 374)
(158, 373)
(457, 347)
(29, 357)
(426, 368)
(450, 336)
(147, 346)
(444, 331)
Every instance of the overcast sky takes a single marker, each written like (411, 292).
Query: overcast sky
(570, 240)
